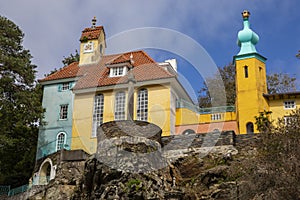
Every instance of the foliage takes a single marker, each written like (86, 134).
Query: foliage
(262, 121)
(20, 107)
(227, 74)
(280, 83)
(275, 171)
(51, 72)
(71, 58)
(134, 183)
(276, 83)
(298, 54)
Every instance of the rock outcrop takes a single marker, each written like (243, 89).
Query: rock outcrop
(140, 165)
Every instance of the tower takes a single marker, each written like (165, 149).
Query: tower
(251, 81)
(92, 44)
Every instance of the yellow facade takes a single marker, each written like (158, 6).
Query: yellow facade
(251, 84)
(82, 123)
(278, 110)
(185, 116)
(159, 107)
(159, 113)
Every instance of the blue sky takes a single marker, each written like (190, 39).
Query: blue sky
(52, 28)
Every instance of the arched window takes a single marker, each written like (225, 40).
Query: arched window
(216, 130)
(142, 105)
(120, 106)
(250, 127)
(60, 141)
(98, 113)
(246, 71)
(188, 131)
(101, 49)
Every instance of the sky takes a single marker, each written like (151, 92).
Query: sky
(52, 30)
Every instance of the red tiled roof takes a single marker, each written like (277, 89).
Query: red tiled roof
(91, 33)
(97, 75)
(69, 71)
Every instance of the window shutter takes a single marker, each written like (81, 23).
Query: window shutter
(72, 84)
(59, 87)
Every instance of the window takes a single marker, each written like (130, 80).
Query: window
(250, 127)
(246, 71)
(142, 105)
(289, 104)
(63, 114)
(216, 116)
(118, 71)
(289, 120)
(188, 131)
(60, 141)
(65, 86)
(120, 106)
(101, 49)
(98, 113)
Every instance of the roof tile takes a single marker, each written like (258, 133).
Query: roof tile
(91, 33)
(97, 75)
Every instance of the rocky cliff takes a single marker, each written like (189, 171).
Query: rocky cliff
(211, 166)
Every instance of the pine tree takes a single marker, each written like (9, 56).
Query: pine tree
(20, 106)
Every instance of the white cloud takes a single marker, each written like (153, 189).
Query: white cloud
(52, 28)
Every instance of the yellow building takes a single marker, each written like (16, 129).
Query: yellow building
(131, 85)
(101, 93)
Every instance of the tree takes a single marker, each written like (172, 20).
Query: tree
(298, 54)
(280, 83)
(276, 83)
(71, 58)
(262, 121)
(227, 74)
(20, 107)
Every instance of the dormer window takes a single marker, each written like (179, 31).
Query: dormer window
(117, 71)
(65, 86)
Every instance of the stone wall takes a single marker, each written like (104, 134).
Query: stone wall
(198, 140)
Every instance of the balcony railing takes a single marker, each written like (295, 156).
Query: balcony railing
(18, 190)
(181, 103)
(4, 189)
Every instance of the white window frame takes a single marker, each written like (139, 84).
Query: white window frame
(60, 143)
(289, 120)
(97, 113)
(289, 104)
(63, 111)
(142, 105)
(120, 104)
(65, 86)
(117, 71)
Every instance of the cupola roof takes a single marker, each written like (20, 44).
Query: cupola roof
(247, 38)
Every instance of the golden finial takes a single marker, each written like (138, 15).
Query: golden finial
(246, 14)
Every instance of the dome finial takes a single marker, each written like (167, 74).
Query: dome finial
(246, 14)
(247, 39)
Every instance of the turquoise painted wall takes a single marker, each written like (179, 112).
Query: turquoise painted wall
(53, 98)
